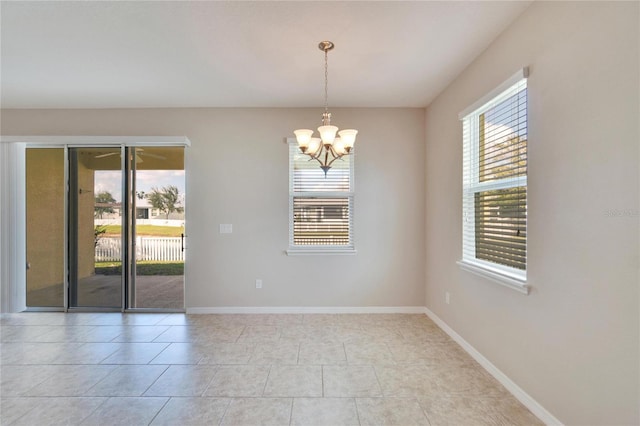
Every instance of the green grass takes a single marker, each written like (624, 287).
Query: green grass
(149, 230)
(142, 268)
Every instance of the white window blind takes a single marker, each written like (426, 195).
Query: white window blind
(495, 183)
(320, 208)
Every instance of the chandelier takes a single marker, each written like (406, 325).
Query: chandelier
(327, 148)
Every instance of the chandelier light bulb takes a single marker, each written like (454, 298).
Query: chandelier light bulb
(314, 146)
(348, 138)
(303, 136)
(327, 134)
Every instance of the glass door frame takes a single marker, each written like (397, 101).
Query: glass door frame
(131, 229)
(131, 251)
(71, 247)
(65, 225)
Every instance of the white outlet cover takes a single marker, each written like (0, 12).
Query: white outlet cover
(226, 228)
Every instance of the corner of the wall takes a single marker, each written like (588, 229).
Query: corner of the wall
(527, 400)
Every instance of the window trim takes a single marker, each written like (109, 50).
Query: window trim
(489, 97)
(492, 272)
(507, 276)
(306, 250)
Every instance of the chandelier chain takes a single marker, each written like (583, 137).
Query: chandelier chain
(326, 80)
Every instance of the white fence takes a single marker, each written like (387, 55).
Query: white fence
(166, 249)
(156, 222)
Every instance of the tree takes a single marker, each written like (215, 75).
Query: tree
(166, 200)
(506, 158)
(98, 233)
(103, 204)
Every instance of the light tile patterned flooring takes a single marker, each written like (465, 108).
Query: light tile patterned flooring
(176, 369)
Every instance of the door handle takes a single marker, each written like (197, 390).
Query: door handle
(181, 242)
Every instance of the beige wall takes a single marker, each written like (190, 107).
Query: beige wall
(237, 172)
(45, 219)
(572, 343)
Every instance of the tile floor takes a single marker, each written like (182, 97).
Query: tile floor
(176, 369)
(152, 291)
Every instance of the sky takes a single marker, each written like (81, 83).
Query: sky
(111, 181)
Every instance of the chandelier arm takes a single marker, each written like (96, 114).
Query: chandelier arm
(335, 157)
(312, 157)
(318, 152)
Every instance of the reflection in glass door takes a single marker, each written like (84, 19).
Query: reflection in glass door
(158, 226)
(45, 225)
(95, 228)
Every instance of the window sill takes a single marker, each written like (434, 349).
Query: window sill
(496, 276)
(312, 251)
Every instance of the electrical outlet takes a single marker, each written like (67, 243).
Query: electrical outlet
(258, 283)
(447, 297)
(226, 228)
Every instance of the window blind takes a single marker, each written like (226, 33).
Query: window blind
(500, 226)
(495, 181)
(320, 221)
(321, 208)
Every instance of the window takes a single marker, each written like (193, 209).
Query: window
(320, 208)
(495, 185)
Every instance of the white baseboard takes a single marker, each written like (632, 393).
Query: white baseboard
(308, 310)
(538, 410)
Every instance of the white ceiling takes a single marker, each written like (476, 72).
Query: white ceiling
(62, 54)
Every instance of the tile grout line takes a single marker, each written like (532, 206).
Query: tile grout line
(156, 379)
(30, 410)
(344, 349)
(226, 409)
(161, 319)
(423, 411)
(95, 409)
(291, 412)
(217, 367)
(355, 402)
(158, 412)
(102, 379)
(215, 372)
(378, 380)
(264, 388)
(167, 347)
(110, 354)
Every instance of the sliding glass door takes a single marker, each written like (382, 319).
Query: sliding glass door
(157, 230)
(115, 239)
(96, 249)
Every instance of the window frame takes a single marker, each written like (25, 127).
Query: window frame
(511, 277)
(310, 249)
